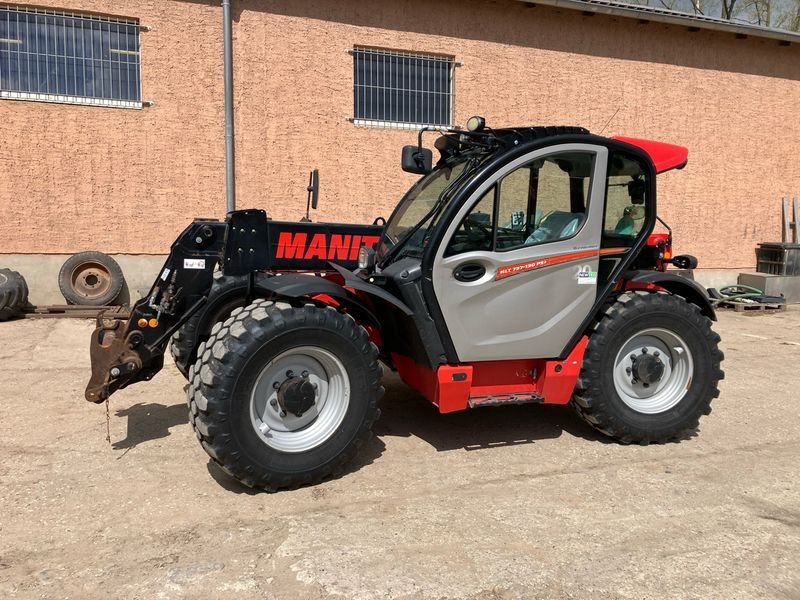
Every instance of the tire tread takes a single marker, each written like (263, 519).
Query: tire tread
(590, 399)
(213, 376)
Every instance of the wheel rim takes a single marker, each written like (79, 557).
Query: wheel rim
(653, 371)
(91, 280)
(284, 430)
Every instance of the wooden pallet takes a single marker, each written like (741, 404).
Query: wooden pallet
(741, 307)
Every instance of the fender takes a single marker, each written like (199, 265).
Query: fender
(299, 286)
(675, 284)
(290, 286)
(355, 282)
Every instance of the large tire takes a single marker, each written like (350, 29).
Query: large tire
(232, 389)
(90, 279)
(13, 294)
(650, 369)
(187, 339)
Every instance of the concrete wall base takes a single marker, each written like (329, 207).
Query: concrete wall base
(41, 273)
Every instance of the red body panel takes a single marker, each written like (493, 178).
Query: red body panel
(664, 156)
(451, 387)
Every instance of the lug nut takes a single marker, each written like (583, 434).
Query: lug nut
(276, 385)
(283, 413)
(115, 372)
(656, 353)
(305, 374)
(633, 357)
(289, 374)
(644, 350)
(273, 402)
(628, 370)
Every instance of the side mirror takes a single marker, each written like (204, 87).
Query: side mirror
(684, 261)
(417, 160)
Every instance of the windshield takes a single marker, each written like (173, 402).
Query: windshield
(418, 211)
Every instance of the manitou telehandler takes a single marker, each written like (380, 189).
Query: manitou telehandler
(522, 267)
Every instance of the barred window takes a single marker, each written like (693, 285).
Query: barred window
(402, 88)
(56, 56)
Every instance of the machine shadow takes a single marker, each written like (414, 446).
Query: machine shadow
(149, 421)
(406, 413)
(366, 456)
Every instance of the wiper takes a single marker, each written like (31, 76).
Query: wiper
(395, 250)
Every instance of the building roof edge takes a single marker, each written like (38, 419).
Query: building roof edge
(662, 15)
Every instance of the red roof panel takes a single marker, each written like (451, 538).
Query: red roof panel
(664, 156)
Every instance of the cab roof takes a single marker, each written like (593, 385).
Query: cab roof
(664, 156)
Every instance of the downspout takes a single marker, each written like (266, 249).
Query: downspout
(230, 173)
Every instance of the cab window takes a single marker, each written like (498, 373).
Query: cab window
(626, 200)
(542, 201)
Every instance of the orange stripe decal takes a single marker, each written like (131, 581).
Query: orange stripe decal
(540, 263)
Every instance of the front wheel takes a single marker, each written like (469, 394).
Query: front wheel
(650, 369)
(283, 396)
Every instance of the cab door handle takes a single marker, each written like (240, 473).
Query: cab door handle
(469, 272)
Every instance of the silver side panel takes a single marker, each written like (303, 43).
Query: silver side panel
(534, 312)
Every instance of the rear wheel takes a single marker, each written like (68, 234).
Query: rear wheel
(650, 369)
(282, 396)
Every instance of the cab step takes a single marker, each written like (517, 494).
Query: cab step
(504, 399)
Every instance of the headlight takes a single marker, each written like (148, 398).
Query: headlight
(366, 257)
(476, 123)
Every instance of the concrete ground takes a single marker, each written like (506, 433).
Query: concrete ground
(498, 503)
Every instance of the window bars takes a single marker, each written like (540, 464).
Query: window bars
(55, 56)
(401, 89)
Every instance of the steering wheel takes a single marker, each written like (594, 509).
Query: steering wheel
(478, 233)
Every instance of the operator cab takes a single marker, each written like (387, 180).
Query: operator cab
(506, 245)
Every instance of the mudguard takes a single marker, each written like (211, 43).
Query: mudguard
(299, 286)
(265, 286)
(352, 281)
(675, 284)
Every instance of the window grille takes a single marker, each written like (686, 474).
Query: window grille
(56, 56)
(402, 89)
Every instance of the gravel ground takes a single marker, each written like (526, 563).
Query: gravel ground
(505, 503)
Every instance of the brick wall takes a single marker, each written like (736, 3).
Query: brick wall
(120, 180)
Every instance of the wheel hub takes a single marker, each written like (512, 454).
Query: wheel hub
(91, 280)
(647, 368)
(300, 399)
(653, 370)
(297, 394)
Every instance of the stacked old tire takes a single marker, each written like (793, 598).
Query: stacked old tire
(13, 294)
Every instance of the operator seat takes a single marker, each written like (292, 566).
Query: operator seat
(625, 225)
(555, 226)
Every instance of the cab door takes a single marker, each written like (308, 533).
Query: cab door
(517, 270)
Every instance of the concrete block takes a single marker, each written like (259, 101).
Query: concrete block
(787, 286)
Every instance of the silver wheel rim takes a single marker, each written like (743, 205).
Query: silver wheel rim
(285, 431)
(678, 370)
